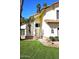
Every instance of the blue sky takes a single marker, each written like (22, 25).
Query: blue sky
(29, 6)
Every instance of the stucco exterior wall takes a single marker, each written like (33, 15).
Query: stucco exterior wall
(51, 14)
(36, 30)
(32, 28)
(46, 28)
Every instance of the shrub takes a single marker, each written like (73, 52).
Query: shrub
(52, 38)
(56, 38)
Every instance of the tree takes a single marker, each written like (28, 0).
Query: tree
(22, 21)
(38, 8)
(21, 7)
(45, 5)
(31, 18)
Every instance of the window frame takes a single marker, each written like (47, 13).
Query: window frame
(52, 30)
(57, 14)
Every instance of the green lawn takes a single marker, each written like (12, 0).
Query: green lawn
(35, 50)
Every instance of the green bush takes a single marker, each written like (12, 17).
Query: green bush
(52, 38)
(56, 38)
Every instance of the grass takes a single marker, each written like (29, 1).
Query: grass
(35, 50)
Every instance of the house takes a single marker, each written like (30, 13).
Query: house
(26, 30)
(50, 21)
(23, 31)
(45, 23)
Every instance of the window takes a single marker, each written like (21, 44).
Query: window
(57, 14)
(58, 28)
(52, 30)
(22, 32)
(37, 25)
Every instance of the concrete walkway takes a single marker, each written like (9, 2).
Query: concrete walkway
(49, 43)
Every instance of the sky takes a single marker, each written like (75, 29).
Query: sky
(29, 6)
